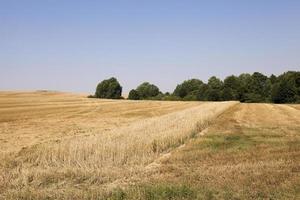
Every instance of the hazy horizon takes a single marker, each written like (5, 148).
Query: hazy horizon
(71, 46)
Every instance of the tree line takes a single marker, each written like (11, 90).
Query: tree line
(254, 88)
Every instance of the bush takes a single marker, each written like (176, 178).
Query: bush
(172, 98)
(109, 89)
(133, 95)
(147, 90)
(190, 97)
(253, 98)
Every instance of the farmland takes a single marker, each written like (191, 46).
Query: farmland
(34, 117)
(65, 146)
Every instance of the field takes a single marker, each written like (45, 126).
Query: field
(35, 117)
(65, 146)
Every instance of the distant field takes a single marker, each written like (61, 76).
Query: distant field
(66, 146)
(33, 117)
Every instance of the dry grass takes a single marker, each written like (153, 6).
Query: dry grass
(136, 144)
(251, 152)
(29, 118)
(67, 165)
(79, 148)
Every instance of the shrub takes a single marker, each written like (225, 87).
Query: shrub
(133, 95)
(109, 89)
(91, 96)
(172, 98)
(147, 90)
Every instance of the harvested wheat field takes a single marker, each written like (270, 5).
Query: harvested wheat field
(29, 118)
(66, 146)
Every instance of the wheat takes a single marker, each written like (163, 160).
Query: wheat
(136, 144)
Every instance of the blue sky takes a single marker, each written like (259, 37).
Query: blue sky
(72, 45)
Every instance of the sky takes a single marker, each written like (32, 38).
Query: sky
(72, 45)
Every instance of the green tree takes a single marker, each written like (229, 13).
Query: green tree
(202, 93)
(273, 79)
(133, 95)
(215, 83)
(259, 88)
(214, 91)
(192, 96)
(109, 89)
(231, 88)
(287, 88)
(188, 88)
(284, 92)
(147, 90)
(245, 81)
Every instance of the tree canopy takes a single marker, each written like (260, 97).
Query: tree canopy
(188, 89)
(287, 88)
(133, 95)
(255, 87)
(109, 89)
(144, 91)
